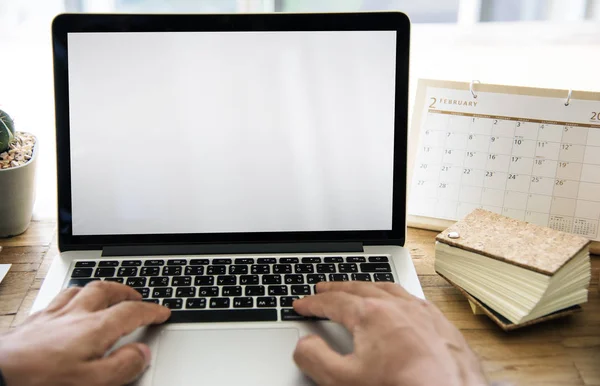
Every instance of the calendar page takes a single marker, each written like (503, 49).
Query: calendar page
(520, 152)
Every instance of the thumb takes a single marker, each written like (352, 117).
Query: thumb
(317, 360)
(124, 365)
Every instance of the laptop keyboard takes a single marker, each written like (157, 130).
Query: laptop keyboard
(231, 289)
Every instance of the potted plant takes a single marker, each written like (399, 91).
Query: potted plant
(18, 154)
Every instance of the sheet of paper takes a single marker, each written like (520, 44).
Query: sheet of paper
(516, 151)
(4, 270)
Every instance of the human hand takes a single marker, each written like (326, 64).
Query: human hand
(66, 343)
(399, 340)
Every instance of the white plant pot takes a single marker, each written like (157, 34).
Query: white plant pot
(17, 196)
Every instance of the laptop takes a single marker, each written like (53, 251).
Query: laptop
(222, 165)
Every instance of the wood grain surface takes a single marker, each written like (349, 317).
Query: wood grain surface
(560, 352)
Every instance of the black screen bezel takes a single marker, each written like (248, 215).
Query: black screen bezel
(377, 21)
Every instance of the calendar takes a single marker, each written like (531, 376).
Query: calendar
(531, 154)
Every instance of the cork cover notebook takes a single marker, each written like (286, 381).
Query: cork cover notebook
(506, 324)
(526, 245)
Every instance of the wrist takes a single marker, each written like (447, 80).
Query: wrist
(8, 372)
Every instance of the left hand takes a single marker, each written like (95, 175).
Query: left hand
(66, 343)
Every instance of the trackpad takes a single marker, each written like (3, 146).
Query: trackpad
(228, 357)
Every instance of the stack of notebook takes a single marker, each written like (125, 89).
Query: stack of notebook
(515, 272)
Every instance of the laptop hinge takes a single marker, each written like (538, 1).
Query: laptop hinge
(219, 249)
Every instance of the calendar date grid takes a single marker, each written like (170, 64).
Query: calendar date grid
(498, 172)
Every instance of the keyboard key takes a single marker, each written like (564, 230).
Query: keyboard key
(267, 260)
(127, 271)
(144, 291)
(108, 263)
(150, 271)
(289, 260)
(199, 262)
(307, 260)
(317, 277)
(173, 270)
(215, 270)
(80, 282)
(221, 261)
(277, 290)
(282, 268)
(290, 314)
(82, 272)
(104, 272)
(160, 281)
(232, 291)
(208, 291)
(266, 302)
(131, 263)
(336, 259)
(136, 281)
(248, 279)
(326, 268)
(155, 301)
(356, 259)
(304, 268)
(300, 290)
(238, 269)
(243, 302)
(244, 260)
(154, 263)
(293, 279)
(361, 277)
(226, 280)
(185, 292)
(195, 303)
(204, 280)
(261, 269)
(174, 304)
(375, 267)
(219, 303)
(383, 277)
(287, 301)
(271, 279)
(85, 264)
(183, 281)
(255, 290)
(348, 267)
(378, 259)
(194, 270)
(177, 262)
(216, 315)
(115, 279)
(338, 277)
(161, 292)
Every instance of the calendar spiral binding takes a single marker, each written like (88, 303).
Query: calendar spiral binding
(568, 101)
(471, 88)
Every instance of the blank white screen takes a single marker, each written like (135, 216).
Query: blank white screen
(202, 132)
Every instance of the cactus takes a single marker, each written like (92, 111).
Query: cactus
(7, 131)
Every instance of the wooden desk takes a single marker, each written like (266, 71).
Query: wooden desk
(561, 352)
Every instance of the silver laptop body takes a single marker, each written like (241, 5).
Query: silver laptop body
(222, 165)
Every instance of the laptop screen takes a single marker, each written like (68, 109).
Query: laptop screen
(229, 132)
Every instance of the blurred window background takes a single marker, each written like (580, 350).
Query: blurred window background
(539, 43)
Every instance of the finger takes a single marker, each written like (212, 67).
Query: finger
(62, 299)
(317, 360)
(125, 317)
(337, 306)
(99, 295)
(122, 366)
(358, 288)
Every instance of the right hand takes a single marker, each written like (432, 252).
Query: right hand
(399, 339)
(66, 343)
